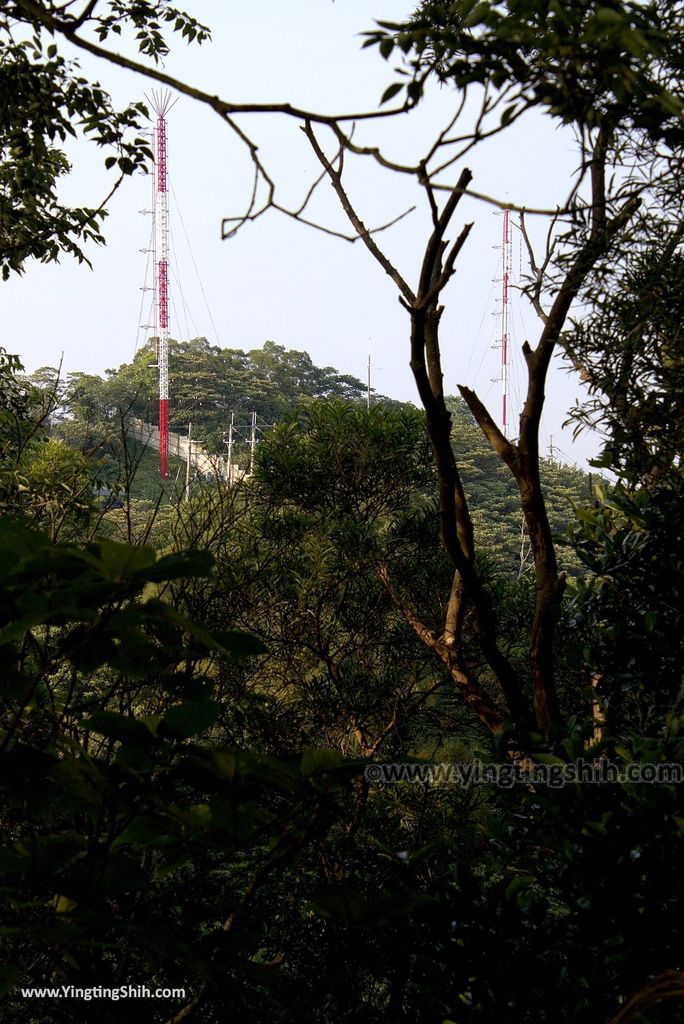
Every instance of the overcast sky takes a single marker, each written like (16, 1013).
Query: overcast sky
(276, 279)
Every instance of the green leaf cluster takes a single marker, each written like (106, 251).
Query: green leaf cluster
(590, 64)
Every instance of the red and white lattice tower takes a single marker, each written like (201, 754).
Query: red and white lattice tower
(506, 261)
(161, 102)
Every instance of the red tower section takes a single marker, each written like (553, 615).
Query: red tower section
(506, 249)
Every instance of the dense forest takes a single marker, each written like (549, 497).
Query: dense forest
(209, 383)
(391, 729)
(90, 415)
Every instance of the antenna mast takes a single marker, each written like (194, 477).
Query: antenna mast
(506, 260)
(162, 103)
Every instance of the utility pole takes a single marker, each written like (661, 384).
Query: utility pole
(186, 492)
(524, 547)
(252, 443)
(230, 448)
(368, 394)
(551, 449)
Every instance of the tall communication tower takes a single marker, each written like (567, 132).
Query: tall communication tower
(161, 103)
(506, 261)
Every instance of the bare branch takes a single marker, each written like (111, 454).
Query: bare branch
(534, 291)
(501, 445)
(261, 174)
(67, 28)
(425, 182)
(455, 614)
(456, 527)
(539, 359)
(433, 250)
(448, 272)
(361, 230)
(475, 137)
(505, 204)
(85, 14)
(441, 139)
(488, 713)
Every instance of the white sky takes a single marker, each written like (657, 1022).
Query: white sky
(277, 279)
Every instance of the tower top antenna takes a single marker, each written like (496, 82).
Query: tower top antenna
(161, 101)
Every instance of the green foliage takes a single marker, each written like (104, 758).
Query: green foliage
(567, 908)
(116, 787)
(299, 551)
(60, 485)
(166, 777)
(149, 20)
(494, 499)
(46, 102)
(49, 101)
(585, 63)
(210, 383)
(355, 461)
(41, 478)
(630, 348)
(16, 427)
(630, 601)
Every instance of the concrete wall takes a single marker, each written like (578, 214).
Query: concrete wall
(213, 465)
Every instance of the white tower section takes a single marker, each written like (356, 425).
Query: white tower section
(161, 103)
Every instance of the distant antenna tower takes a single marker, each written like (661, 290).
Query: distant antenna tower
(161, 103)
(506, 261)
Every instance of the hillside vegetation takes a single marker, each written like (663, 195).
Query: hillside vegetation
(208, 384)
